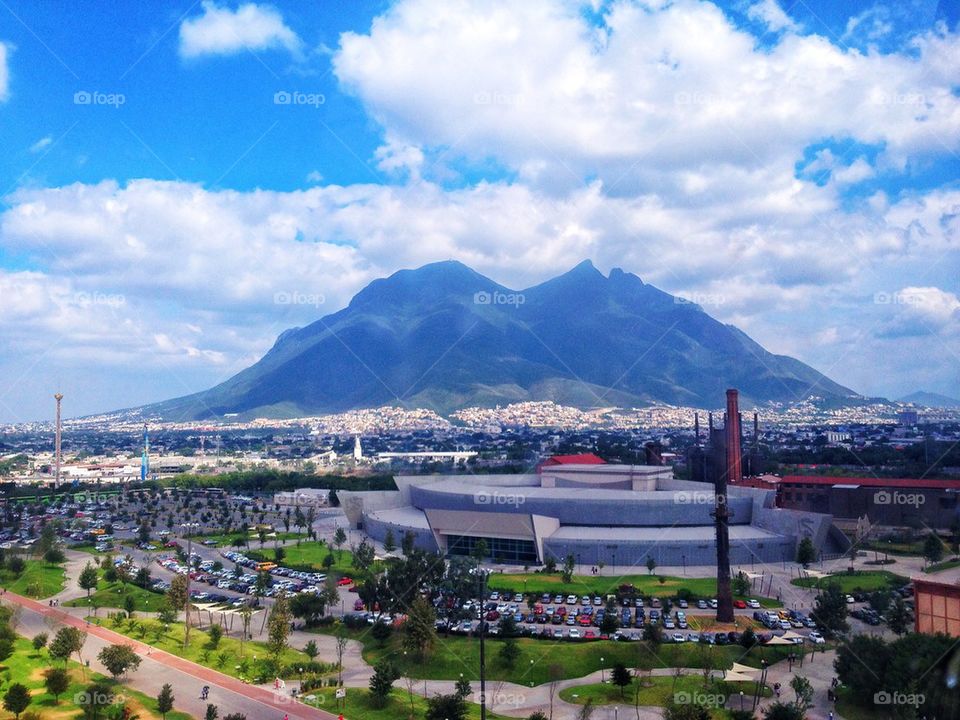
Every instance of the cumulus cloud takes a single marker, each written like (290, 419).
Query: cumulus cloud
(772, 15)
(221, 31)
(41, 144)
(920, 311)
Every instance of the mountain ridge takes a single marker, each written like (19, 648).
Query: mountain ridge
(445, 337)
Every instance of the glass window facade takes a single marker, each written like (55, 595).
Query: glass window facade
(506, 550)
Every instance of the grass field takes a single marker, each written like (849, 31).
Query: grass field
(648, 585)
(26, 666)
(941, 566)
(860, 581)
(659, 691)
(38, 580)
(358, 706)
(310, 555)
(226, 658)
(113, 595)
(456, 654)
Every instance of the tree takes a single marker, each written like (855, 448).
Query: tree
(119, 659)
(806, 552)
(95, 699)
(212, 712)
(214, 635)
(129, 605)
(898, 616)
(538, 715)
(462, 687)
(310, 607)
(782, 711)
(389, 542)
(804, 692)
(508, 626)
(88, 578)
(740, 584)
(17, 699)
(381, 632)
(143, 532)
(339, 538)
(363, 556)
(620, 676)
(54, 556)
(39, 641)
(166, 614)
(861, 664)
(165, 700)
(381, 682)
(569, 564)
(66, 642)
(609, 624)
(446, 707)
(830, 610)
(509, 652)
(279, 553)
(57, 682)
(419, 631)
(278, 626)
(407, 543)
(311, 650)
(651, 564)
(933, 548)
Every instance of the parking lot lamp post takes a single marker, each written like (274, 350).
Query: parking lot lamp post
(601, 671)
(741, 701)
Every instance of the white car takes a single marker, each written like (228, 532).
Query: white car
(574, 633)
(678, 638)
(850, 599)
(753, 603)
(816, 638)
(571, 599)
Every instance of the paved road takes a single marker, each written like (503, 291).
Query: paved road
(158, 667)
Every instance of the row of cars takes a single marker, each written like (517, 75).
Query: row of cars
(783, 619)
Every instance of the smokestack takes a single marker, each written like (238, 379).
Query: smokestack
(56, 443)
(756, 431)
(710, 421)
(734, 469)
(696, 426)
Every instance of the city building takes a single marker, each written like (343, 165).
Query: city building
(937, 608)
(615, 514)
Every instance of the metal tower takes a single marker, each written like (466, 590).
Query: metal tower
(145, 458)
(56, 443)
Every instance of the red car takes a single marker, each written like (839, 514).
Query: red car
(739, 604)
(344, 581)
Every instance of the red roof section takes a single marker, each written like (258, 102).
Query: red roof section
(583, 459)
(873, 482)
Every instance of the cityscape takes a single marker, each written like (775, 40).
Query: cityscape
(479, 360)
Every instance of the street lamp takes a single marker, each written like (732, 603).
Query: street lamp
(601, 671)
(741, 701)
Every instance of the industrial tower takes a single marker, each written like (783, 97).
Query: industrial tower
(145, 458)
(56, 444)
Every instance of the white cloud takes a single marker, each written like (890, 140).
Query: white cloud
(221, 31)
(41, 144)
(5, 49)
(772, 15)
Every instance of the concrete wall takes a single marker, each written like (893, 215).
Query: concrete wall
(377, 529)
(674, 553)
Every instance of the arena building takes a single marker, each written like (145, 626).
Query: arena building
(617, 514)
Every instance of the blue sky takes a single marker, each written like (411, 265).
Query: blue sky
(171, 170)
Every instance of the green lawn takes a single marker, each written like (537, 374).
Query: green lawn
(647, 585)
(38, 580)
(113, 595)
(456, 654)
(26, 666)
(659, 691)
(227, 539)
(226, 658)
(358, 706)
(859, 581)
(945, 565)
(309, 556)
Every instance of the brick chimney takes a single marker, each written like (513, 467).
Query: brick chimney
(732, 434)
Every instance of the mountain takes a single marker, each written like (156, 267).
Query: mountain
(445, 337)
(929, 399)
